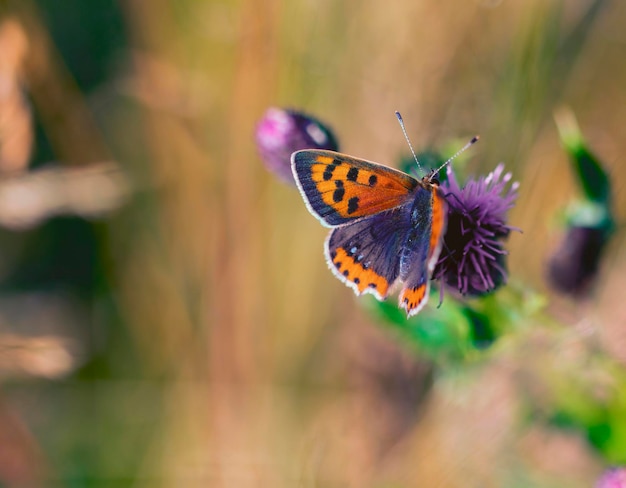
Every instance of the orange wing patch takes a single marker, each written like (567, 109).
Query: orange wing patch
(355, 188)
(414, 299)
(365, 280)
(438, 224)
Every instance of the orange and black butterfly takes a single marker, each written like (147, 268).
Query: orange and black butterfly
(387, 227)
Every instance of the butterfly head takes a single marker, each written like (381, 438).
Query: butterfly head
(432, 179)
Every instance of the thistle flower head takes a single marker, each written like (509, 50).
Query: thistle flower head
(280, 132)
(473, 259)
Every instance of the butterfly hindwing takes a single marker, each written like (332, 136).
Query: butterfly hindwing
(366, 254)
(340, 188)
(421, 251)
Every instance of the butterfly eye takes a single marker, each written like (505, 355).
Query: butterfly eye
(435, 181)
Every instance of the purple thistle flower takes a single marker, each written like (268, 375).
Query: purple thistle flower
(281, 132)
(473, 259)
(613, 478)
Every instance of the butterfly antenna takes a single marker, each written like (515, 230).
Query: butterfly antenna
(473, 141)
(399, 117)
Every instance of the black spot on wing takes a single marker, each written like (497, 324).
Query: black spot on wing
(353, 174)
(353, 205)
(328, 172)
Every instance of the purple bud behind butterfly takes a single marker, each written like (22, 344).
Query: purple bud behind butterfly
(473, 258)
(613, 478)
(280, 132)
(572, 268)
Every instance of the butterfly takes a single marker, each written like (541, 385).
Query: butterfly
(387, 227)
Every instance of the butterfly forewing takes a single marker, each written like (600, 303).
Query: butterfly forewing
(340, 188)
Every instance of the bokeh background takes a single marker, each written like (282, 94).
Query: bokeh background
(166, 314)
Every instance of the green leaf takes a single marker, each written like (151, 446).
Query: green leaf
(443, 332)
(592, 177)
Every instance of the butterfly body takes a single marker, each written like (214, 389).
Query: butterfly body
(387, 227)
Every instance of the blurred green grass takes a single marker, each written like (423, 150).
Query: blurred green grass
(211, 346)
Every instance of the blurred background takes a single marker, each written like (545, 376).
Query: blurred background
(166, 314)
